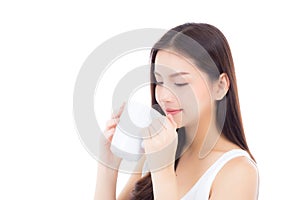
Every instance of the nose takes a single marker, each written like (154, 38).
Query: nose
(164, 94)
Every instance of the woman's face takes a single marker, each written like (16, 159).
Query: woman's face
(182, 89)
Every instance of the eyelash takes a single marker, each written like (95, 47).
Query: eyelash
(177, 84)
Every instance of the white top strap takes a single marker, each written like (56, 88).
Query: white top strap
(202, 188)
(226, 157)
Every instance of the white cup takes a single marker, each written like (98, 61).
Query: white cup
(128, 138)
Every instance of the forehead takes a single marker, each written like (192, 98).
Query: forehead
(170, 62)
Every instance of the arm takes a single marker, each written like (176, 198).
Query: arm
(125, 193)
(106, 183)
(237, 180)
(165, 184)
(160, 151)
(106, 176)
(107, 179)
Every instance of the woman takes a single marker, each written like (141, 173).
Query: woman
(208, 156)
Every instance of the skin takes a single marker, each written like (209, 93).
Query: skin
(238, 179)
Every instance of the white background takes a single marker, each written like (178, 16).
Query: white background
(42, 48)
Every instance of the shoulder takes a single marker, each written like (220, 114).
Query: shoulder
(238, 179)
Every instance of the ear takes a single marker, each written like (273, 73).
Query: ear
(221, 86)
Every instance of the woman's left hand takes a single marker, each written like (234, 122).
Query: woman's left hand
(160, 147)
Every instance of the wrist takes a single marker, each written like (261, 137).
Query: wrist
(106, 170)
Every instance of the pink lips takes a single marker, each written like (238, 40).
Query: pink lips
(172, 111)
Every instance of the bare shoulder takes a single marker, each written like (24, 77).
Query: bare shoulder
(238, 179)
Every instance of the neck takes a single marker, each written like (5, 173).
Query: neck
(201, 140)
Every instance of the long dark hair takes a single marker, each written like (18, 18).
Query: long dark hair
(216, 45)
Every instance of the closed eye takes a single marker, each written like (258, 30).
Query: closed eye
(177, 84)
(180, 84)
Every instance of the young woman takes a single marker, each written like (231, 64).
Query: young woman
(194, 84)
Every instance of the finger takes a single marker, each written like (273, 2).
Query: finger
(170, 117)
(109, 134)
(118, 114)
(147, 141)
(156, 126)
(149, 132)
(112, 123)
(144, 133)
(163, 122)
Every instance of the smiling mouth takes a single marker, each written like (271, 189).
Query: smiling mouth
(173, 112)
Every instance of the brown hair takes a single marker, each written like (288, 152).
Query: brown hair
(216, 45)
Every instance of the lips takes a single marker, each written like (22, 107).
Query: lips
(173, 111)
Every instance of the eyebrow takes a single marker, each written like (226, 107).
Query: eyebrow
(175, 74)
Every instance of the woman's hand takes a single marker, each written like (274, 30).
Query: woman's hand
(161, 144)
(106, 155)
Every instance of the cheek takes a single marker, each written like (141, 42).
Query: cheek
(158, 93)
(204, 96)
(195, 99)
(197, 103)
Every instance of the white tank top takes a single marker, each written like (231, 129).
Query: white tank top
(201, 188)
